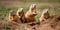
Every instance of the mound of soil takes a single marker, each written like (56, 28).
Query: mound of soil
(53, 23)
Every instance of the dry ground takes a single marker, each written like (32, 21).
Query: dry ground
(53, 23)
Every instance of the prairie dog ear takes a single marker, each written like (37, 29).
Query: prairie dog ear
(12, 13)
(33, 6)
(45, 11)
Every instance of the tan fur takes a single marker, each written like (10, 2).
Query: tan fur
(45, 15)
(20, 12)
(30, 15)
(13, 17)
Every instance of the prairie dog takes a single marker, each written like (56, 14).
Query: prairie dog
(45, 15)
(20, 12)
(13, 16)
(31, 13)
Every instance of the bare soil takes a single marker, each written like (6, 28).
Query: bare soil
(53, 23)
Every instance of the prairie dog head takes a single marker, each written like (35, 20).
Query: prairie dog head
(33, 7)
(45, 13)
(12, 14)
(20, 12)
(33, 10)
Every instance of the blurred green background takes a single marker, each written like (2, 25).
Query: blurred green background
(7, 5)
(34, 0)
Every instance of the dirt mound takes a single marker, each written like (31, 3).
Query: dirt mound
(9, 25)
(53, 23)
